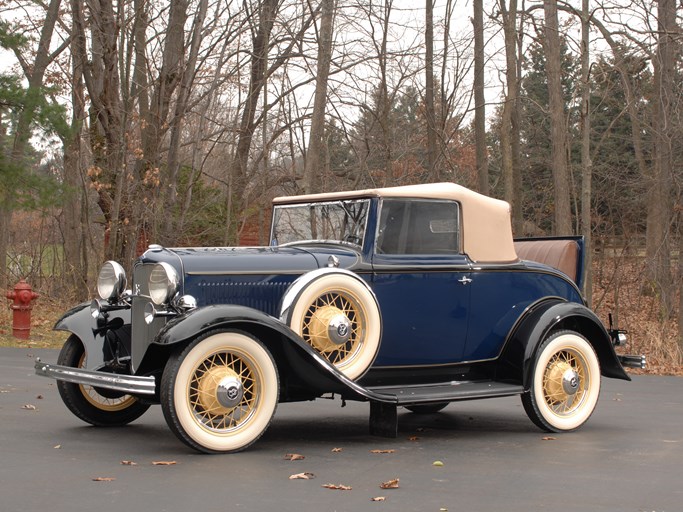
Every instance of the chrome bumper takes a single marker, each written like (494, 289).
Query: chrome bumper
(124, 383)
(631, 361)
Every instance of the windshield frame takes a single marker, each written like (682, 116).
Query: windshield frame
(343, 205)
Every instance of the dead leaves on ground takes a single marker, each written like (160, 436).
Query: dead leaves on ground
(294, 456)
(302, 476)
(337, 487)
(391, 484)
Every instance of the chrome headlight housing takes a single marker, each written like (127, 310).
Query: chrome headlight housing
(111, 282)
(163, 283)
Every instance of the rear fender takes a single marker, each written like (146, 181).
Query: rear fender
(540, 320)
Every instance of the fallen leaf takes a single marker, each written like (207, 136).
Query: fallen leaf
(378, 498)
(437, 463)
(302, 476)
(549, 438)
(294, 456)
(129, 463)
(57, 447)
(336, 450)
(39, 397)
(337, 487)
(391, 484)
(164, 463)
(442, 509)
(103, 479)
(382, 451)
(413, 438)
(29, 407)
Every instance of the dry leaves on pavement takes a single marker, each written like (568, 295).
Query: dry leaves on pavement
(337, 487)
(391, 484)
(302, 476)
(294, 456)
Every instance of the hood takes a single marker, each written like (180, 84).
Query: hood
(252, 260)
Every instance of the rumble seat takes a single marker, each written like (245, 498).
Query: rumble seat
(560, 254)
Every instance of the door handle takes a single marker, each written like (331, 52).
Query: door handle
(464, 280)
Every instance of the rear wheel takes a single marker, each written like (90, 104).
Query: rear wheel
(565, 384)
(220, 392)
(97, 406)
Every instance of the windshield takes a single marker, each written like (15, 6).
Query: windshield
(337, 221)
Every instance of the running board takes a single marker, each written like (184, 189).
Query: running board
(447, 391)
(383, 414)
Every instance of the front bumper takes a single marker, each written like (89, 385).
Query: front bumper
(134, 384)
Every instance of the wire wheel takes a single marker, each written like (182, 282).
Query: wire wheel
(338, 316)
(104, 399)
(97, 406)
(219, 394)
(231, 374)
(566, 383)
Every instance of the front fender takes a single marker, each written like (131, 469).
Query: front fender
(80, 322)
(545, 317)
(300, 366)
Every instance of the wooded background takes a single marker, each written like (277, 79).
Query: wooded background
(130, 122)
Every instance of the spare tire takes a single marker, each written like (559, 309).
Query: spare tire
(337, 314)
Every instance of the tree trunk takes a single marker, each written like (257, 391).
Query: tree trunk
(558, 127)
(257, 80)
(509, 137)
(659, 211)
(586, 163)
(316, 146)
(169, 234)
(482, 161)
(430, 111)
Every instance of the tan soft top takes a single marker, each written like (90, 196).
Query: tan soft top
(487, 228)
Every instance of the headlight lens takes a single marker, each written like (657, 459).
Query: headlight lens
(111, 281)
(163, 283)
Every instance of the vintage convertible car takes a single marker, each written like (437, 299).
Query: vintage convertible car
(411, 296)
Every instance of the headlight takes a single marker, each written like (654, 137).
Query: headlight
(112, 281)
(163, 283)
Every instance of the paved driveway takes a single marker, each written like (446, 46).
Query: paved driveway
(628, 457)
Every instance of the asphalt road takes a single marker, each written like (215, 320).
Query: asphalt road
(628, 457)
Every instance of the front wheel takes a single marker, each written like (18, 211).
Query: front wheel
(220, 392)
(99, 407)
(565, 383)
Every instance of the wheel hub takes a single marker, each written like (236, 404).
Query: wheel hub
(229, 392)
(220, 390)
(561, 381)
(329, 328)
(570, 381)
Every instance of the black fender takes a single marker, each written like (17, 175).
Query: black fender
(542, 318)
(300, 366)
(79, 321)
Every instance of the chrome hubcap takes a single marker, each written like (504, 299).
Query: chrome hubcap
(570, 382)
(339, 329)
(229, 392)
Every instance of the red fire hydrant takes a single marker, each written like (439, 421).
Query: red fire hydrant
(22, 295)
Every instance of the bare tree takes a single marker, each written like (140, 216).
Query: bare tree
(509, 131)
(314, 164)
(479, 98)
(586, 164)
(659, 212)
(558, 134)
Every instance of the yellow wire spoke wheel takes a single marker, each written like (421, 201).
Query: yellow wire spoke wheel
(565, 384)
(338, 316)
(105, 400)
(220, 393)
(97, 406)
